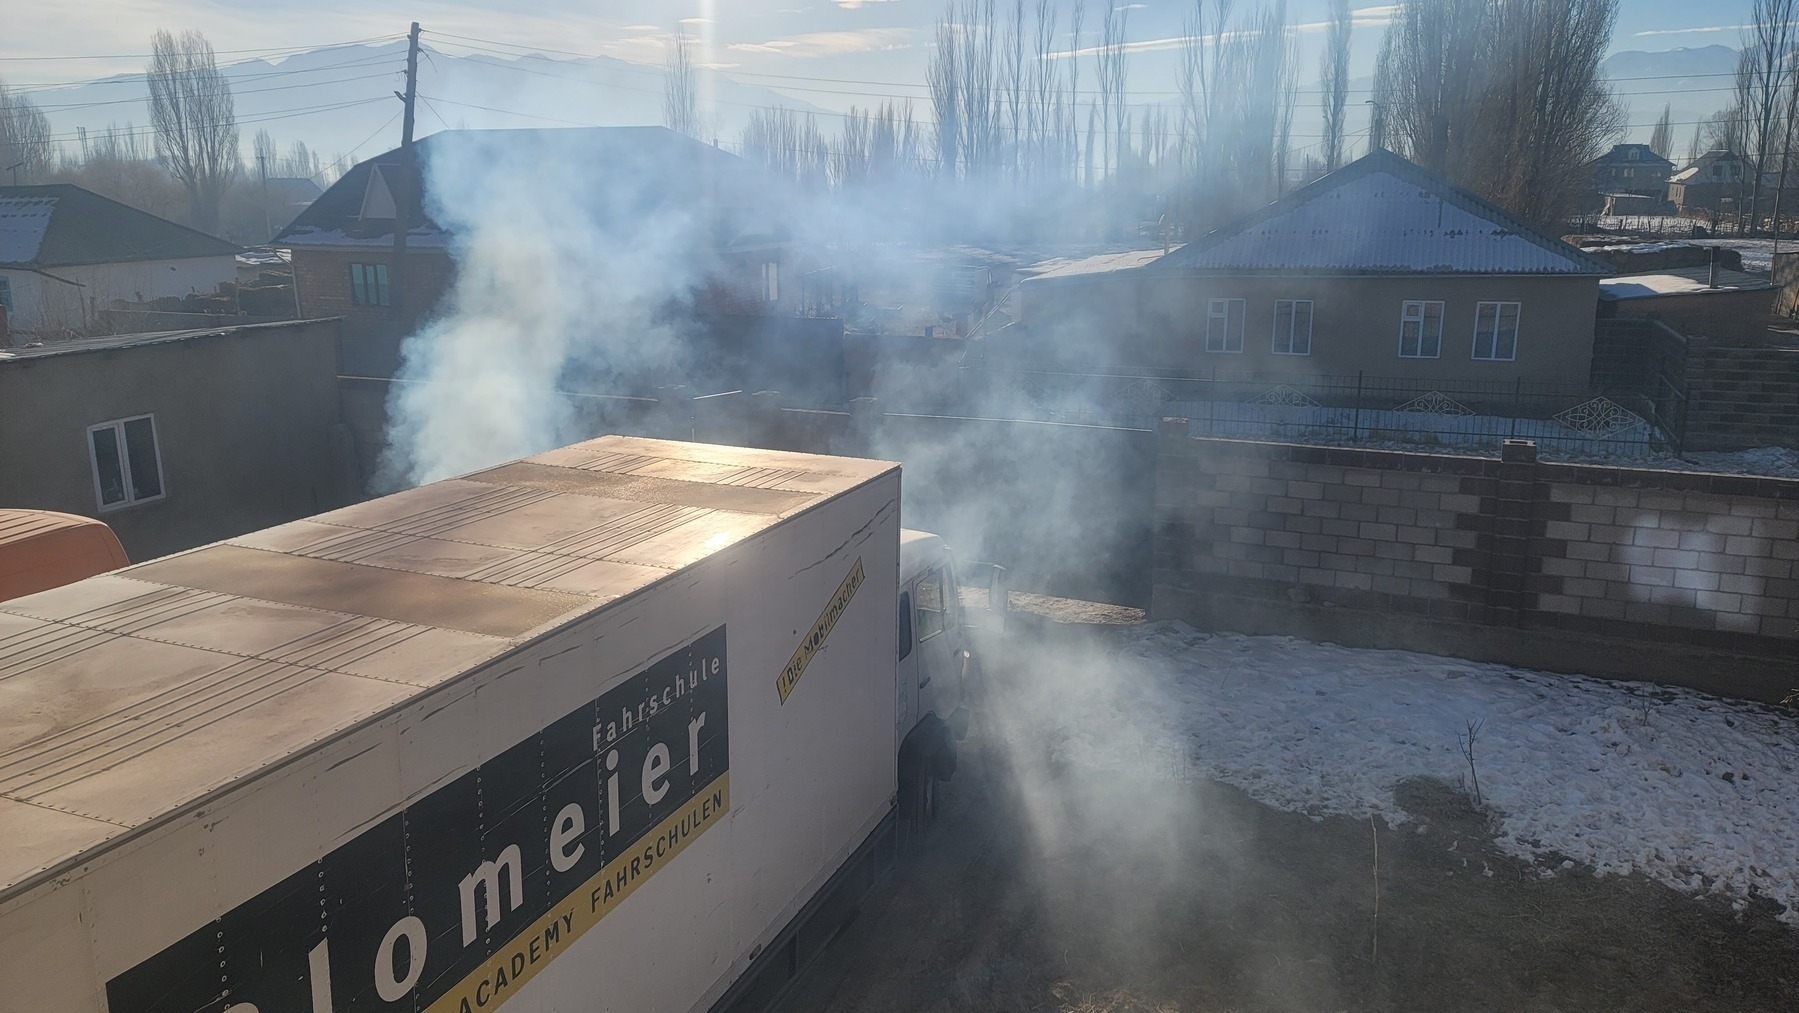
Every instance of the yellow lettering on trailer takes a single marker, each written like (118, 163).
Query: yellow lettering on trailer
(814, 641)
(541, 942)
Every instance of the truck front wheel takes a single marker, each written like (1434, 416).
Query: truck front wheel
(926, 757)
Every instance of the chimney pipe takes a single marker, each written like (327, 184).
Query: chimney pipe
(1712, 281)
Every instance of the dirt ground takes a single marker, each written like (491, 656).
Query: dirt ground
(1044, 888)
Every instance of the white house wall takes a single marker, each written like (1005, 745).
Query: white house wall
(41, 303)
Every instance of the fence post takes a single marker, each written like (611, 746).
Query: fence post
(1517, 404)
(763, 420)
(1356, 434)
(674, 412)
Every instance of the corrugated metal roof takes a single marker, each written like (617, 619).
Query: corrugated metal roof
(1103, 263)
(1383, 215)
(23, 222)
(62, 225)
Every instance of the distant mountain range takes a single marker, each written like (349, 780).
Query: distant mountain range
(339, 100)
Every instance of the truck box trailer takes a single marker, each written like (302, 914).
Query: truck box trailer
(595, 730)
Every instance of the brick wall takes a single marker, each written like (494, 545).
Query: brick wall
(1741, 397)
(1683, 576)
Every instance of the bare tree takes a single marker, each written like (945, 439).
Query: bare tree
(944, 77)
(1504, 97)
(26, 151)
(1696, 146)
(1428, 78)
(1111, 86)
(789, 145)
(1764, 74)
(1336, 82)
(680, 90)
(195, 121)
(262, 151)
(1238, 77)
(1661, 139)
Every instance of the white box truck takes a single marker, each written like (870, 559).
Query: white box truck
(616, 727)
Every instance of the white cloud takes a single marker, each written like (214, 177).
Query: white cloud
(1364, 17)
(810, 44)
(1693, 31)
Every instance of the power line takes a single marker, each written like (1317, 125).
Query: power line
(226, 52)
(280, 114)
(137, 77)
(248, 91)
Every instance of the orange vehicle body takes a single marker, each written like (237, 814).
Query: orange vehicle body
(42, 549)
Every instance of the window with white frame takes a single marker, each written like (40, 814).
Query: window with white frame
(1421, 329)
(1293, 327)
(126, 461)
(771, 281)
(1224, 325)
(1496, 331)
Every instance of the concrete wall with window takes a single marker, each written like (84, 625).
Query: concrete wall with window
(179, 442)
(1357, 324)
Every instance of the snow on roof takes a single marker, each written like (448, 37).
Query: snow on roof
(1103, 263)
(1679, 281)
(1383, 215)
(23, 222)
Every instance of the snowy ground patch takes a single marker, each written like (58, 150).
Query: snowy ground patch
(1694, 791)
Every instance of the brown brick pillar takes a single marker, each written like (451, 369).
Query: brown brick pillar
(1514, 506)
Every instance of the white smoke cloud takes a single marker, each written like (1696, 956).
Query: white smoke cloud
(569, 245)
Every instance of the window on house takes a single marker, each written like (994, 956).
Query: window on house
(929, 605)
(1224, 325)
(127, 463)
(1630, 173)
(1421, 330)
(771, 281)
(368, 284)
(1293, 327)
(1496, 331)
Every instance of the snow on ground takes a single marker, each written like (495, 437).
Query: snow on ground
(1695, 791)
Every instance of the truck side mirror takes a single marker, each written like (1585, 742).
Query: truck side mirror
(998, 590)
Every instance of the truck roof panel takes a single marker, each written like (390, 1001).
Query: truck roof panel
(129, 698)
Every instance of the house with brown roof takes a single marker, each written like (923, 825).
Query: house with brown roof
(1380, 268)
(67, 253)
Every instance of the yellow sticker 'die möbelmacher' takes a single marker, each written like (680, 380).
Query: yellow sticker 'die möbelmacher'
(814, 640)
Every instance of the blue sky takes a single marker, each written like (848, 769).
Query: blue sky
(870, 41)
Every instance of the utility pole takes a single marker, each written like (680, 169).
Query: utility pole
(401, 188)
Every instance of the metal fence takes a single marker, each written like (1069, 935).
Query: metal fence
(1359, 409)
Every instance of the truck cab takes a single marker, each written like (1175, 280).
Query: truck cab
(42, 549)
(933, 669)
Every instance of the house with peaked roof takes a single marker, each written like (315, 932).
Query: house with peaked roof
(67, 253)
(1719, 182)
(709, 213)
(1379, 268)
(1631, 170)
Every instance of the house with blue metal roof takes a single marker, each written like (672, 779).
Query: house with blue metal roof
(67, 253)
(1380, 268)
